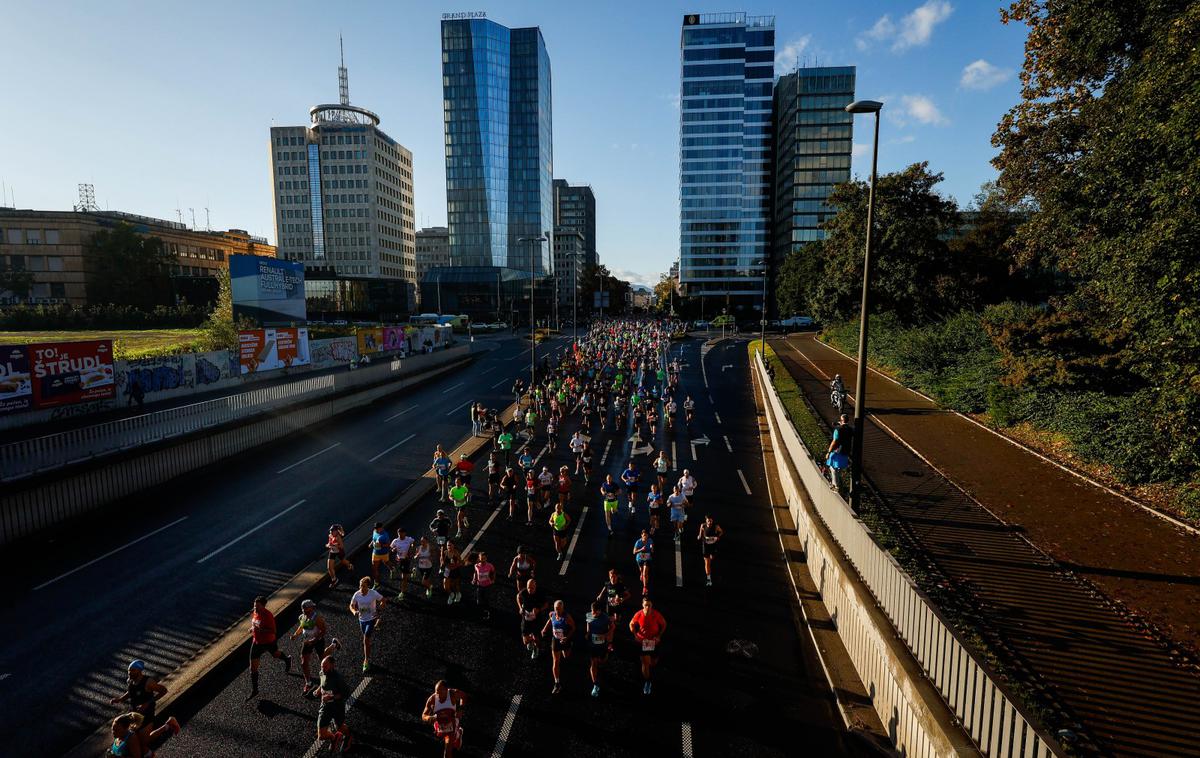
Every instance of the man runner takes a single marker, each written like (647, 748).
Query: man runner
(599, 634)
(608, 491)
(559, 521)
(443, 710)
(262, 640)
(643, 554)
(562, 626)
(311, 628)
(530, 604)
(366, 605)
(402, 548)
(460, 495)
(710, 534)
(648, 626)
(630, 478)
(333, 692)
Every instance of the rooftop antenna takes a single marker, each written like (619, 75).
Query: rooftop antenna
(207, 222)
(193, 212)
(343, 75)
(178, 212)
(87, 199)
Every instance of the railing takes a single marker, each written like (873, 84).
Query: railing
(985, 712)
(26, 458)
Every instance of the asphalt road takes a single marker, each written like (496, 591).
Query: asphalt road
(736, 676)
(164, 573)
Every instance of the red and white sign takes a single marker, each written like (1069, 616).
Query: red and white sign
(270, 349)
(64, 373)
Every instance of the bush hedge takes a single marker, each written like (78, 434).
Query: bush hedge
(64, 317)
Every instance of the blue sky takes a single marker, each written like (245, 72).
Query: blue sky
(167, 105)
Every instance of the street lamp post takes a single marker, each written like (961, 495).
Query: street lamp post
(532, 324)
(762, 325)
(860, 386)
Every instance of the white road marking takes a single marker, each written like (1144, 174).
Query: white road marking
(745, 484)
(318, 745)
(309, 458)
(604, 457)
(727, 445)
(398, 415)
(4, 676)
(482, 529)
(687, 740)
(506, 728)
(679, 563)
(110, 552)
(489, 368)
(574, 538)
(233, 542)
(497, 384)
(393, 447)
(674, 457)
(718, 416)
(459, 408)
(448, 390)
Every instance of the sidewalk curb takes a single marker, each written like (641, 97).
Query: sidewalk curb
(219, 653)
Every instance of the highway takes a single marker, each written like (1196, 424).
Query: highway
(161, 575)
(736, 678)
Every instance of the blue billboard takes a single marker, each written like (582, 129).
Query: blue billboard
(267, 291)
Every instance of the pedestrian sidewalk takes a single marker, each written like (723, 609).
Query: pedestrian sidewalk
(991, 515)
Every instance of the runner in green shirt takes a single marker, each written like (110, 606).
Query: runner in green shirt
(504, 442)
(460, 495)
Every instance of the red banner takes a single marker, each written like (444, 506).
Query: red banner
(268, 349)
(65, 373)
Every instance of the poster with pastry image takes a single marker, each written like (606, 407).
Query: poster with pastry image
(16, 388)
(271, 349)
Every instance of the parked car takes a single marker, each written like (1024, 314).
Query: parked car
(798, 322)
(699, 324)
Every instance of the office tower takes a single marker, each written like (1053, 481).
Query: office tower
(728, 66)
(575, 211)
(344, 205)
(813, 141)
(570, 260)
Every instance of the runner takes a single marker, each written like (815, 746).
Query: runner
(614, 593)
(564, 487)
(687, 485)
(670, 412)
(452, 564)
(134, 736)
(380, 550)
(654, 500)
(710, 534)
(586, 457)
(545, 486)
(494, 472)
(402, 548)
(577, 444)
(508, 491)
(630, 477)
(530, 604)
(366, 605)
(608, 491)
(689, 410)
(562, 626)
(441, 467)
(460, 496)
(678, 503)
(443, 710)
(523, 567)
(600, 628)
(262, 640)
(552, 432)
(662, 464)
(463, 470)
(311, 628)
(440, 528)
(335, 544)
(559, 521)
(141, 691)
(643, 554)
(531, 497)
(425, 566)
(505, 442)
(331, 715)
(483, 579)
(648, 626)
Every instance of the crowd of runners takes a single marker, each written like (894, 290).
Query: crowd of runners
(618, 378)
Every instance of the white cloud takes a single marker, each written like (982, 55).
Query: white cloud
(982, 75)
(859, 149)
(916, 108)
(913, 30)
(789, 55)
(634, 277)
(904, 140)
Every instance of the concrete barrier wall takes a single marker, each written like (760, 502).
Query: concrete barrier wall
(933, 696)
(24, 510)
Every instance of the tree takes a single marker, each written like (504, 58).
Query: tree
(596, 277)
(913, 276)
(1104, 142)
(664, 293)
(796, 283)
(983, 258)
(126, 268)
(15, 281)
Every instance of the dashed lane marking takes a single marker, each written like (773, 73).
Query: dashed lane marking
(110, 552)
(393, 447)
(398, 415)
(471, 545)
(687, 740)
(497, 384)
(604, 458)
(306, 460)
(727, 445)
(679, 562)
(506, 728)
(489, 368)
(745, 484)
(459, 408)
(674, 457)
(574, 539)
(448, 390)
(233, 542)
(718, 417)
(318, 745)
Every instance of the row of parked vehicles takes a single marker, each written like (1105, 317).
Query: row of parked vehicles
(792, 324)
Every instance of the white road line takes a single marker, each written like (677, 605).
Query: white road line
(489, 368)
(497, 384)
(674, 457)
(687, 739)
(574, 538)
(231, 543)
(393, 447)
(604, 457)
(459, 408)
(4, 676)
(319, 745)
(398, 415)
(448, 390)
(506, 728)
(482, 529)
(718, 416)
(745, 484)
(679, 563)
(309, 458)
(727, 445)
(110, 552)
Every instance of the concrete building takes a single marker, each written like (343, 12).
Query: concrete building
(344, 200)
(570, 258)
(575, 211)
(52, 245)
(433, 249)
(727, 63)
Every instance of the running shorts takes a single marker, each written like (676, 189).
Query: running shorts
(379, 558)
(597, 651)
(333, 712)
(258, 648)
(708, 549)
(610, 506)
(561, 646)
(404, 564)
(336, 555)
(313, 646)
(368, 627)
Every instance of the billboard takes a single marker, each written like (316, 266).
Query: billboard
(267, 291)
(270, 349)
(16, 389)
(64, 373)
(370, 340)
(395, 339)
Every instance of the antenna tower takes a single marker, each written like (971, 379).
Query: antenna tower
(207, 222)
(343, 76)
(87, 199)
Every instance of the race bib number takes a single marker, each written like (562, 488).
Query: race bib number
(444, 726)
(560, 634)
(648, 646)
(599, 639)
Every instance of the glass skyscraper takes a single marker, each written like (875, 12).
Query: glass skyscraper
(728, 69)
(499, 144)
(813, 142)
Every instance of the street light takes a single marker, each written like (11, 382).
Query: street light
(762, 325)
(538, 240)
(860, 387)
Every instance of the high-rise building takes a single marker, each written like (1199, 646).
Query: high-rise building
(575, 211)
(433, 249)
(813, 143)
(499, 144)
(570, 259)
(727, 64)
(344, 201)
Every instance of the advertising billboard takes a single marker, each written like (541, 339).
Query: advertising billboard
(16, 389)
(395, 339)
(370, 340)
(270, 349)
(268, 291)
(64, 373)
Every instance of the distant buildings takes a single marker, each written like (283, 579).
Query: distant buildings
(52, 245)
(575, 211)
(433, 249)
(570, 259)
(344, 207)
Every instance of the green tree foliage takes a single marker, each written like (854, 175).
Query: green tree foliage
(126, 268)
(913, 275)
(1104, 141)
(16, 281)
(796, 283)
(590, 281)
(664, 293)
(220, 330)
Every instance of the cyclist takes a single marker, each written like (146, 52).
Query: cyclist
(837, 392)
(530, 604)
(648, 626)
(608, 491)
(443, 709)
(643, 554)
(710, 534)
(311, 628)
(599, 628)
(559, 521)
(366, 605)
(562, 626)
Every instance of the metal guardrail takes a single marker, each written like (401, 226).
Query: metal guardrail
(26, 458)
(993, 721)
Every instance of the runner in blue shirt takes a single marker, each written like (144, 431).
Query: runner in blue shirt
(630, 478)
(441, 466)
(643, 553)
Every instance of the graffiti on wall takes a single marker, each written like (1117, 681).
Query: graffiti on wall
(157, 374)
(333, 351)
